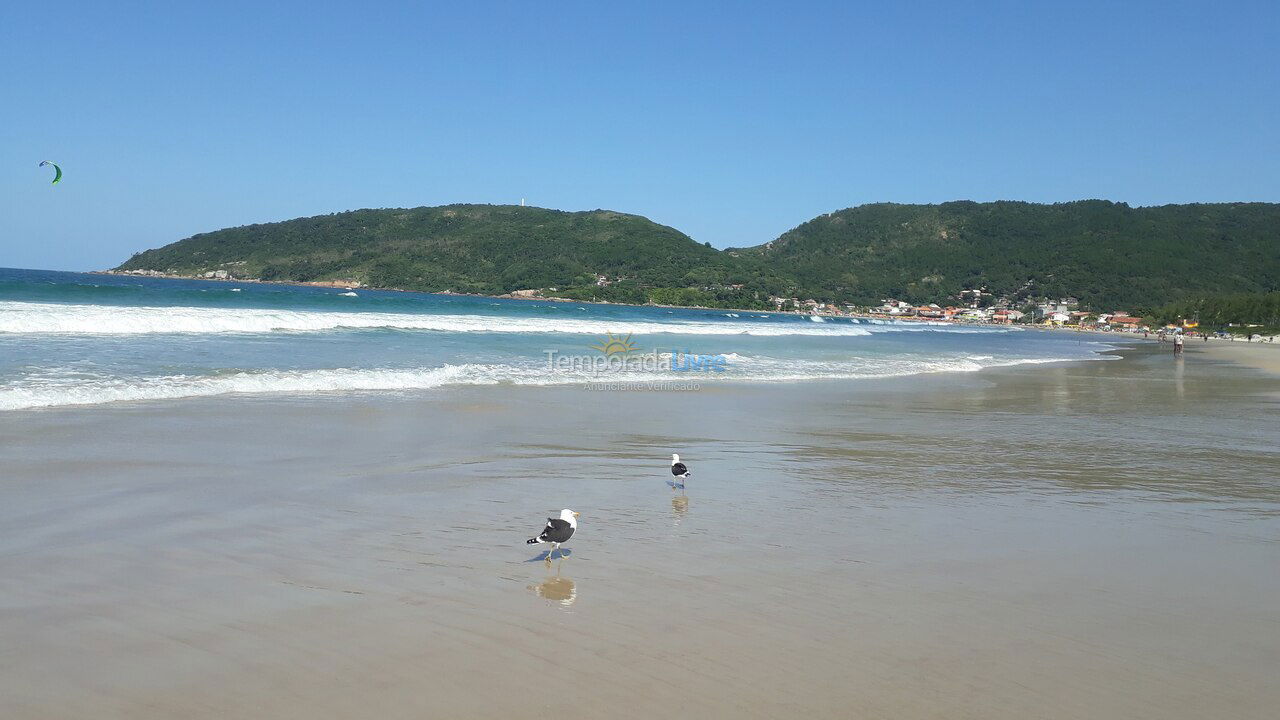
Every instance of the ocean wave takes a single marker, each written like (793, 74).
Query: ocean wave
(50, 318)
(52, 391)
(79, 319)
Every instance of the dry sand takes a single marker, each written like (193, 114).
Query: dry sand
(1258, 355)
(1095, 540)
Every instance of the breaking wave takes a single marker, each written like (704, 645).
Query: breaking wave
(52, 318)
(52, 391)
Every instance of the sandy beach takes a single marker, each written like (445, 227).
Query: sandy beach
(1258, 355)
(1084, 540)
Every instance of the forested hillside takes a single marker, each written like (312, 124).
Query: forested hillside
(1108, 255)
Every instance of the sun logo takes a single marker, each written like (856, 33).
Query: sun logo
(612, 345)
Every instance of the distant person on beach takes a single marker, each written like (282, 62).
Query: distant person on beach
(1177, 344)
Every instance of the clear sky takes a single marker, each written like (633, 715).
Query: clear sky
(730, 121)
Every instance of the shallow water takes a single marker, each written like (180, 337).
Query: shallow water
(1091, 539)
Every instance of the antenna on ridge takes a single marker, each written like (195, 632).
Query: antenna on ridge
(521, 202)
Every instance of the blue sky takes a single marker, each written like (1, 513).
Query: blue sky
(730, 121)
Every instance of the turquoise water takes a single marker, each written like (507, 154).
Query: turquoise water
(80, 339)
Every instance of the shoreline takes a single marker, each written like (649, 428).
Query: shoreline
(334, 284)
(449, 293)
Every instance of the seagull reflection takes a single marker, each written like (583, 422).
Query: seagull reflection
(560, 590)
(679, 507)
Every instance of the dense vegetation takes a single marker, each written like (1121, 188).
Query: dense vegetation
(465, 248)
(1107, 254)
(1249, 312)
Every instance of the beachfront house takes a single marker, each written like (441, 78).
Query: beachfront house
(1005, 316)
(895, 307)
(1125, 322)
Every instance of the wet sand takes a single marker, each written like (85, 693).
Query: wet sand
(1089, 540)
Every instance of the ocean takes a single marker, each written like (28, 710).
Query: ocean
(86, 339)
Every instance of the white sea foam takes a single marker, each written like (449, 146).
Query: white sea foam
(54, 391)
(51, 318)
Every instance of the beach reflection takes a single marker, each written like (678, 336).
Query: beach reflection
(558, 589)
(1152, 427)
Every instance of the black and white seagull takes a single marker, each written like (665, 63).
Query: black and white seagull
(557, 531)
(679, 469)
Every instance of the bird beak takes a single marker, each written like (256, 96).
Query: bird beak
(576, 514)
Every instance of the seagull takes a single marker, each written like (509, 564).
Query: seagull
(678, 468)
(557, 531)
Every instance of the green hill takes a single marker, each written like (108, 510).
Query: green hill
(1107, 254)
(459, 248)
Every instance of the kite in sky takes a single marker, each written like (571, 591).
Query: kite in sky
(57, 177)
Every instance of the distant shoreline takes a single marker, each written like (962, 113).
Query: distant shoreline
(507, 296)
(339, 285)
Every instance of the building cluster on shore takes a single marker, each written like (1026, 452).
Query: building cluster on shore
(1063, 312)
